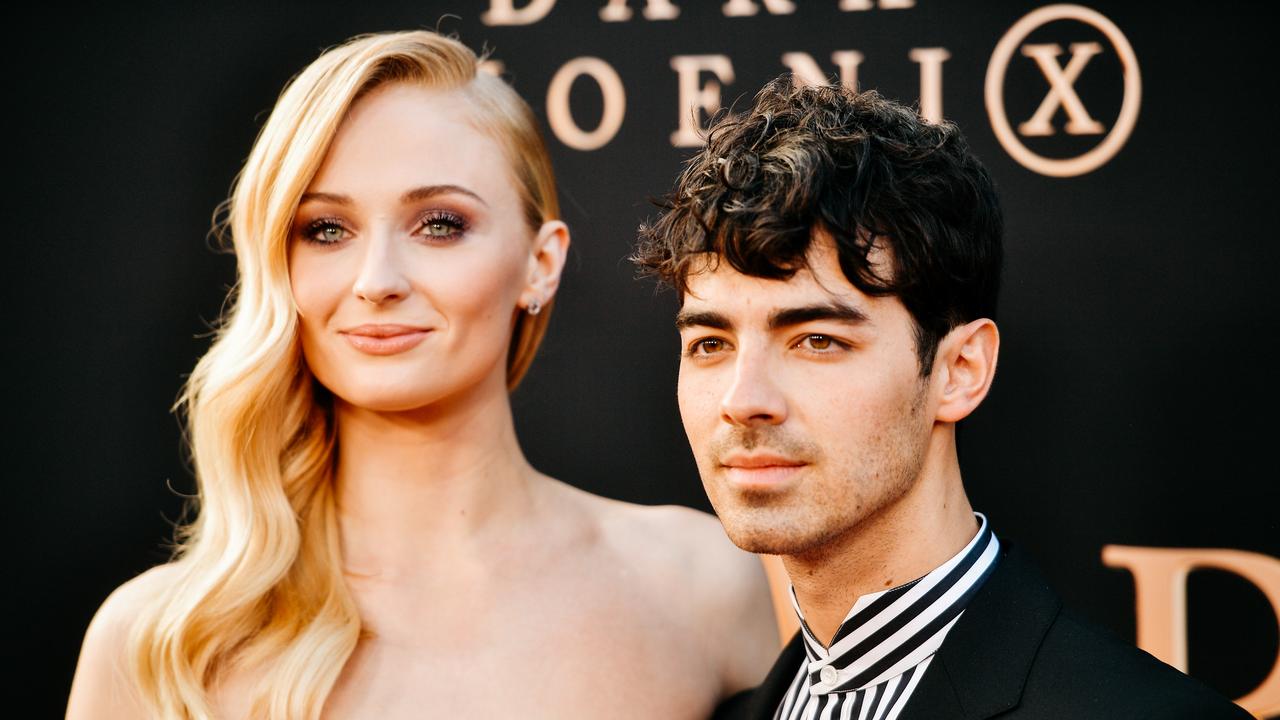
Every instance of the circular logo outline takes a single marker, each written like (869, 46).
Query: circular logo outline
(1101, 153)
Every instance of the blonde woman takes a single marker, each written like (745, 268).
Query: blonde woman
(370, 541)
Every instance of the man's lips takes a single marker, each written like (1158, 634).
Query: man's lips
(760, 471)
(755, 461)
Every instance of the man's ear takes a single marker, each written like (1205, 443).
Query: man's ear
(964, 368)
(546, 263)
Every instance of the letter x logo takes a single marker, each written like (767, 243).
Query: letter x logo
(1062, 89)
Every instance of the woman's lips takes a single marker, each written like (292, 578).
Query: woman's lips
(385, 344)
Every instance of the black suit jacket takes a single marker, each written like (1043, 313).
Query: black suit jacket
(1016, 653)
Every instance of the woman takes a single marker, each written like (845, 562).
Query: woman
(370, 541)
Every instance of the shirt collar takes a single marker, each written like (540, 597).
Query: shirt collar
(890, 631)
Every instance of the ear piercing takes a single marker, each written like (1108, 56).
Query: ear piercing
(534, 307)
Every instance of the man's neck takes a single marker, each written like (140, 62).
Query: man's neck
(901, 542)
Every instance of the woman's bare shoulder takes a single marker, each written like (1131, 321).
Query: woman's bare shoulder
(684, 555)
(662, 533)
(692, 535)
(671, 539)
(101, 688)
(116, 614)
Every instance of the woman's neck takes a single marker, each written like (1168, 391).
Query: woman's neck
(435, 482)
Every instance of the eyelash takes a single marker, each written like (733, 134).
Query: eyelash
(444, 217)
(835, 344)
(692, 350)
(456, 223)
(308, 233)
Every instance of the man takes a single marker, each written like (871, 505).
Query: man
(838, 260)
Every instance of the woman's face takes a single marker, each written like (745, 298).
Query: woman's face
(409, 254)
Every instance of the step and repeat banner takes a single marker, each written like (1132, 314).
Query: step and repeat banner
(1127, 443)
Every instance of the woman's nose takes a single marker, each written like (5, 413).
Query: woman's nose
(381, 277)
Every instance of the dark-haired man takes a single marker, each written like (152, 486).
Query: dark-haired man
(838, 260)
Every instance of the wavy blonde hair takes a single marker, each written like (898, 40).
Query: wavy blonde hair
(258, 572)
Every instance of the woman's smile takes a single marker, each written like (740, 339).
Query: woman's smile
(384, 339)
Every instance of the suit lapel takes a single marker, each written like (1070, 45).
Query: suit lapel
(982, 666)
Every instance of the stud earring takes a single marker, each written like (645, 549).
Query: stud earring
(534, 307)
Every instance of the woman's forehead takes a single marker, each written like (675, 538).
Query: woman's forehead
(404, 135)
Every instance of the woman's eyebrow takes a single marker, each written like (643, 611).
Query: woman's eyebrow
(419, 193)
(426, 191)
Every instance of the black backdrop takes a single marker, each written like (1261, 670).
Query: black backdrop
(1134, 399)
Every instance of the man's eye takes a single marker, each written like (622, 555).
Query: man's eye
(820, 343)
(707, 346)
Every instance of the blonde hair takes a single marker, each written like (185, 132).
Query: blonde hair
(259, 570)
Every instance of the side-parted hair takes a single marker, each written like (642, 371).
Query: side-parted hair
(867, 171)
(258, 572)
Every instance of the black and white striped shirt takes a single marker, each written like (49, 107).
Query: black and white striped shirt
(885, 643)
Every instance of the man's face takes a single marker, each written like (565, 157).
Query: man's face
(802, 401)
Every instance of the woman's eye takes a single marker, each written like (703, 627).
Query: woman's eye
(323, 232)
(443, 226)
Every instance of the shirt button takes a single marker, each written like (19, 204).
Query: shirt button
(828, 675)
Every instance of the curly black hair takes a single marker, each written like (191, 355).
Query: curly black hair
(863, 169)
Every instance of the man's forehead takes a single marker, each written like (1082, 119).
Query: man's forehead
(819, 271)
(714, 283)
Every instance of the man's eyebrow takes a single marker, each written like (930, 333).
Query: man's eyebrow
(704, 318)
(837, 311)
(418, 193)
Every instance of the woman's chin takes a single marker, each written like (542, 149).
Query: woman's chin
(390, 400)
(418, 388)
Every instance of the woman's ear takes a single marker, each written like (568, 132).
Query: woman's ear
(966, 364)
(546, 263)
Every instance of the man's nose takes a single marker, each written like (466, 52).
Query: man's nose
(381, 277)
(754, 397)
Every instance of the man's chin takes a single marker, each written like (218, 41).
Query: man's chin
(756, 535)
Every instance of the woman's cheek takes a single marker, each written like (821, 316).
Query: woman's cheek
(482, 286)
(318, 285)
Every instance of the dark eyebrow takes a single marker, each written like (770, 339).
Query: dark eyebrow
(689, 318)
(418, 193)
(836, 311)
(786, 317)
